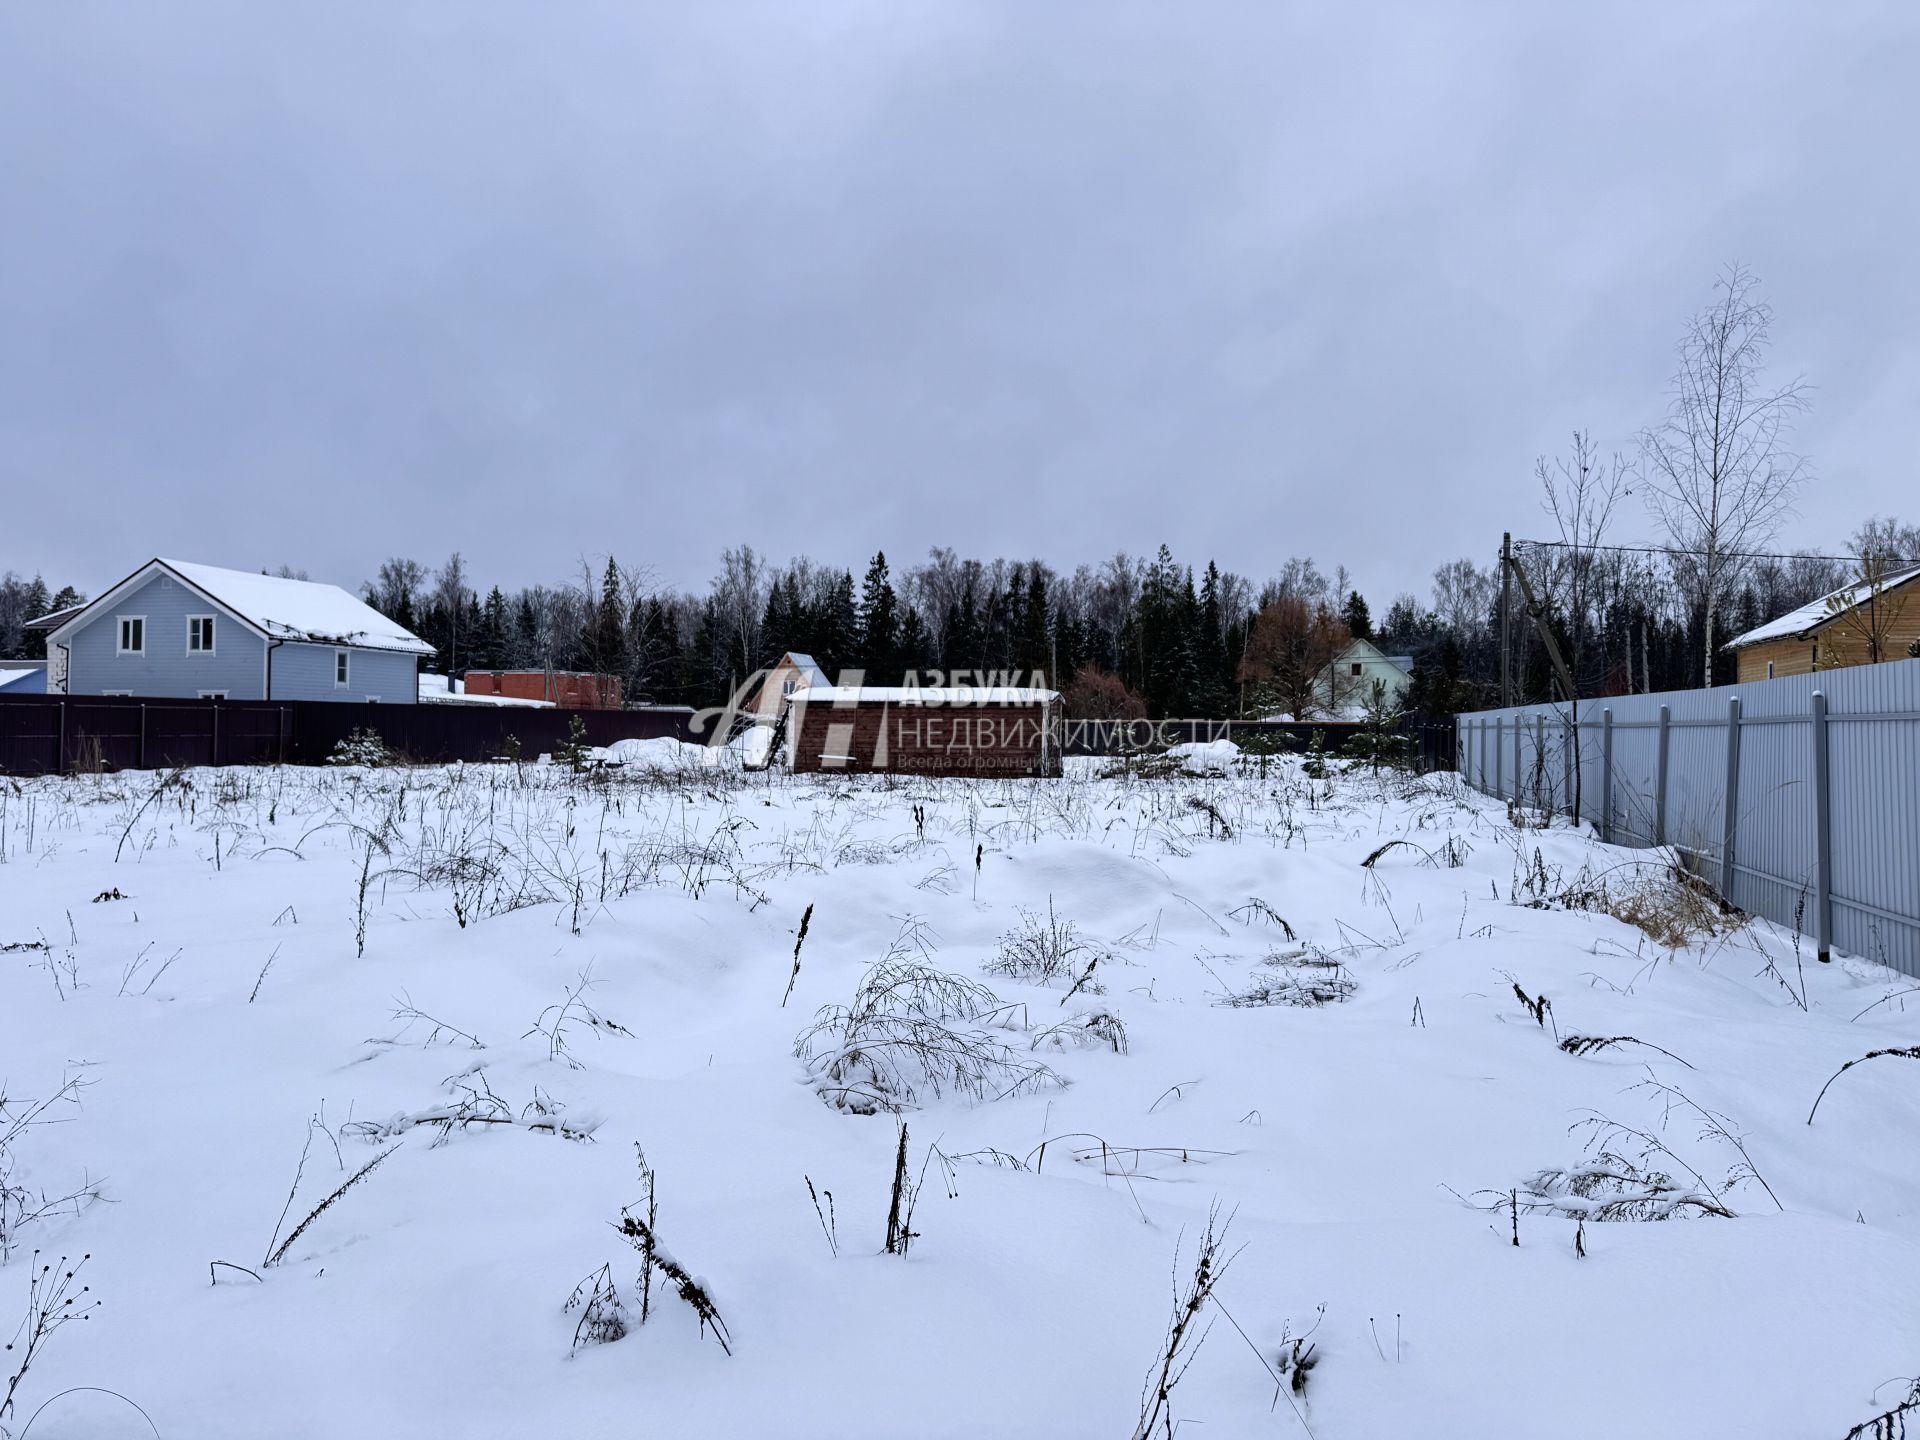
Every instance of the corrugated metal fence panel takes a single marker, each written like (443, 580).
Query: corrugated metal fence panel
(1873, 731)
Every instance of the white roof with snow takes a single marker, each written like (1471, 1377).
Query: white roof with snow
(1811, 616)
(957, 695)
(299, 610)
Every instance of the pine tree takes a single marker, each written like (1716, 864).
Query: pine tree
(916, 645)
(609, 626)
(1034, 653)
(879, 625)
(1212, 692)
(1359, 619)
(525, 650)
(839, 627)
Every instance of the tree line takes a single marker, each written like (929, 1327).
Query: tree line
(1155, 636)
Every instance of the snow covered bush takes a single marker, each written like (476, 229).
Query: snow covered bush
(1296, 977)
(909, 1032)
(361, 747)
(1043, 951)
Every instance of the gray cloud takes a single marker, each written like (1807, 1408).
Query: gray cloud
(317, 284)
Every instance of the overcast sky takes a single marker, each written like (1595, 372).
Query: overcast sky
(317, 284)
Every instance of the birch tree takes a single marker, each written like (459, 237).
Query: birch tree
(1720, 472)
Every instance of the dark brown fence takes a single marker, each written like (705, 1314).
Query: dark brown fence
(41, 734)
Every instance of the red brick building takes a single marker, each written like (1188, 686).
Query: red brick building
(985, 733)
(569, 689)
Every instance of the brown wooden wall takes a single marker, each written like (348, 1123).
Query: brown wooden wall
(1838, 644)
(976, 740)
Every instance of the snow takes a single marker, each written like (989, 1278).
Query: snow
(914, 695)
(1798, 622)
(1364, 1148)
(1207, 757)
(301, 610)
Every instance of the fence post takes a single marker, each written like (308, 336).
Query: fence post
(213, 758)
(1822, 830)
(1569, 741)
(1606, 774)
(1731, 818)
(1518, 772)
(1540, 763)
(1660, 779)
(141, 764)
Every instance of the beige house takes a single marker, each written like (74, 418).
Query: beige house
(792, 671)
(1346, 684)
(1859, 624)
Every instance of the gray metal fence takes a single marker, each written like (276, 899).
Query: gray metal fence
(1799, 798)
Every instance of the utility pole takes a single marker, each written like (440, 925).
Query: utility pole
(1506, 611)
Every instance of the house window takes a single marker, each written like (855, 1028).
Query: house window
(116, 692)
(213, 694)
(133, 634)
(1356, 667)
(200, 634)
(1769, 669)
(340, 667)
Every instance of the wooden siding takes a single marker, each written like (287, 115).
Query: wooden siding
(1837, 644)
(976, 740)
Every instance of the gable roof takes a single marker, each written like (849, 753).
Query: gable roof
(303, 611)
(1797, 624)
(811, 677)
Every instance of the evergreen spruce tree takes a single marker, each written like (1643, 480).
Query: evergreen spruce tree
(1036, 640)
(609, 626)
(839, 627)
(879, 625)
(1359, 619)
(524, 650)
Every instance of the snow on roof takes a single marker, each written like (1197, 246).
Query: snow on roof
(54, 619)
(956, 695)
(1810, 616)
(302, 610)
(13, 675)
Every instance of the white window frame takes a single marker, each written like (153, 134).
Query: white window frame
(120, 635)
(212, 631)
(342, 669)
(213, 694)
(117, 692)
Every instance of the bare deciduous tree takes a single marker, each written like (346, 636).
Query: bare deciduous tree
(1289, 654)
(1720, 472)
(1579, 492)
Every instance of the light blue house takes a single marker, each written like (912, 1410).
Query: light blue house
(186, 631)
(23, 677)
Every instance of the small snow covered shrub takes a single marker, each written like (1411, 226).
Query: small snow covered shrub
(361, 747)
(1042, 951)
(1086, 1031)
(573, 752)
(1294, 977)
(912, 1030)
(603, 1318)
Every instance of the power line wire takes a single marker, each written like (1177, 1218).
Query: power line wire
(1722, 554)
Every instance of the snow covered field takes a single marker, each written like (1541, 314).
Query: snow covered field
(520, 985)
